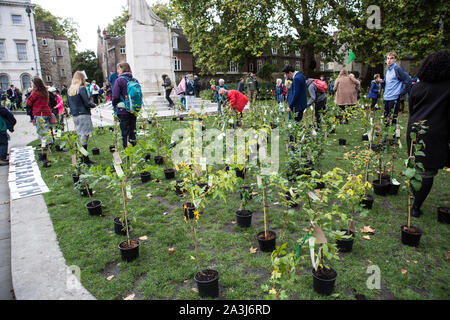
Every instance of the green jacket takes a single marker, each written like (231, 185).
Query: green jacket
(2, 125)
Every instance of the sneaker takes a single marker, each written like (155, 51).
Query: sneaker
(4, 162)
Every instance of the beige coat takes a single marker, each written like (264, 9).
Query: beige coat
(346, 91)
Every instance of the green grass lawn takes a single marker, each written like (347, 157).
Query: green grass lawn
(90, 242)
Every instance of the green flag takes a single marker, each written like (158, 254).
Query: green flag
(351, 56)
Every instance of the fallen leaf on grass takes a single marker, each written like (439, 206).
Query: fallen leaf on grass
(416, 262)
(143, 238)
(253, 250)
(149, 195)
(165, 213)
(195, 290)
(192, 258)
(130, 297)
(59, 176)
(110, 278)
(233, 222)
(448, 169)
(403, 271)
(306, 230)
(366, 237)
(367, 229)
(369, 261)
(448, 255)
(172, 251)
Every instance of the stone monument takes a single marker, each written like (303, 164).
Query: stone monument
(149, 49)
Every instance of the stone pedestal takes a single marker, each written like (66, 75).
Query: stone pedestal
(149, 53)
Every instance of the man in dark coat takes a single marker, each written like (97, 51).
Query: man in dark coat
(430, 100)
(15, 96)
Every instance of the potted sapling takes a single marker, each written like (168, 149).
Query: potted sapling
(89, 179)
(266, 238)
(244, 216)
(411, 234)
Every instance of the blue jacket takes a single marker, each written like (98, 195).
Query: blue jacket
(297, 93)
(396, 83)
(190, 87)
(374, 90)
(217, 91)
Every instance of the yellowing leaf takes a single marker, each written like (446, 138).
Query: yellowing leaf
(110, 278)
(59, 176)
(192, 258)
(172, 251)
(367, 229)
(403, 271)
(366, 237)
(143, 238)
(130, 297)
(253, 250)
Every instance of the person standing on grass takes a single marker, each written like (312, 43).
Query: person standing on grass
(241, 85)
(297, 94)
(95, 91)
(190, 93)
(221, 85)
(80, 109)
(429, 100)
(252, 88)
(375, 91)
(397, 83)
(127, 119)
(318, 98)
(38, 101)
(345, 88)
(197, 86)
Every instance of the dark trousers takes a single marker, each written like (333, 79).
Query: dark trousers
(374, 104)
(427, 183)
(168, 92)
(319, 109)
(128, 128)
(3, 145)
(298, 116)
(95, 98)
(388, 106)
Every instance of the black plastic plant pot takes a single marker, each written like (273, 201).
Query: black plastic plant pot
(75, 177)
(346, 245)
(169, 173)
(365, 137)
(377, 147)
(320, 186)
(159, 160)
(42, 156)
(267, 245)
(178, 187)
(240, 173)
(95, 151)
(129, 253)
(333, 131)
(112, 148)
(443, 214)
(145, 176)
(94, 208)
(46, 164)
(174, 119)
(207, 283)
(393, 188)
(58, 148)
(189, 210)
(119, 227)
(324, 286)
(148, 157)
(382, 188)
(342, 142)
(244, 218)
(368, 202)
(181, 118)
(412, 236)
(84, 192)
(111, 129)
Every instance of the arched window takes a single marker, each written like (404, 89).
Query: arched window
(26, 81)
(4, 82)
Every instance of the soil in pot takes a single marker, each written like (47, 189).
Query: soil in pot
(342, 142)
(169, 173)
(159, 160)
(189, 210)
(95, 151)
(382, 188)
(145, 176)
(207, 283)
(129, 252)
(386, 177)
(119, 227)
(94, 208)
(443, 214)
(346, 245)
(412, 236)
(244, 218)
(267, 244)
(324, 280)
(368, 202)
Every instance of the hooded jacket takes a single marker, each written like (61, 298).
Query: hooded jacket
(120, 92)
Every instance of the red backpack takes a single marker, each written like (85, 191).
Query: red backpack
(322, 86)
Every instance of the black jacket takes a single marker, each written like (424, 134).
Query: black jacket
(79, 104)
(431, 102)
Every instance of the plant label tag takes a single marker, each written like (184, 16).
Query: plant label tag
(119, 170)
(129, 195)
(43, 143)
(320, 236)
(116, 157)
(74, 159)
(58, 134)
(313, 196)
(397, 132)
(259, 180)
(83, 151)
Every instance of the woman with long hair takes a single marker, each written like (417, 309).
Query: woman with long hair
(346, 88)
(80, 109)
(430, 100)
(38, 101)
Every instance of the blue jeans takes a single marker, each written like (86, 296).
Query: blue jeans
(3, 145)
(388, 105)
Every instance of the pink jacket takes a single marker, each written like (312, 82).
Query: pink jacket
(60, 104)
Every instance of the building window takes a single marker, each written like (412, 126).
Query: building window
(26, 82)
(123, 50)
(259, 64)
(4, 82)
(322, 66)
(274, 51)
(233, 67)
(21, 51)
(2, 50)
(53, 59)
(297, 53)
(176, 64)
(48, 78)
(44, 42)
(175, 42)
(297, 65)
(274, 62)
(63, 73)
(251, 67)
(285, 51)
(16, 19)
(59, 52)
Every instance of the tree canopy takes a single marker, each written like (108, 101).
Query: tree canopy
(87, 60)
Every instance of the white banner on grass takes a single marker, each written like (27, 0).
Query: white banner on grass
(24, 175)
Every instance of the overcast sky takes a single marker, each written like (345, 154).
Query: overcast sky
(89, 14)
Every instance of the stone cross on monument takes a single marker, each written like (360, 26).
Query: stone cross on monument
(149, 48)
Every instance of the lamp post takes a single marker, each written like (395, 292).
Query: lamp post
(28, 10)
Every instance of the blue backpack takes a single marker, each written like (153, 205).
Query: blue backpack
(134, 99)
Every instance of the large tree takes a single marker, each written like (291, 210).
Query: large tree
(87, 61)
(61, 27)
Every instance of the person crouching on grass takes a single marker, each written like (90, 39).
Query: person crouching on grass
(236, 100)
